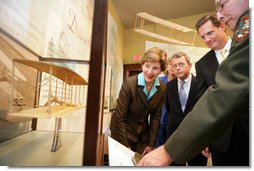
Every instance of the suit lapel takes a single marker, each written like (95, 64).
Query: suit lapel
(176, 95)
(212, 62)
(192, 94)
(142, 95)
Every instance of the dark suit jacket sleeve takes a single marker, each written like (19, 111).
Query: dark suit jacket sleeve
(118, 120)
(201, 84)
(217, 109)
(206, 68)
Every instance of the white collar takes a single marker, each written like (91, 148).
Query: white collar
(227, 46)
(187, 80)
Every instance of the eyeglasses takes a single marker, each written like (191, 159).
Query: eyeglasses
(219, 5)
(180, 65)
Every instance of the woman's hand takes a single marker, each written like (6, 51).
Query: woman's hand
(147, 150)
(206, 152)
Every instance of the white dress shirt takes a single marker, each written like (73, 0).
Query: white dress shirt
(226, 47)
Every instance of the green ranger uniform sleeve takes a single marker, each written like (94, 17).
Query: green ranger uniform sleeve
(220, 105)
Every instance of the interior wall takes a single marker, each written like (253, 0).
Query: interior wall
(114, 63)
(118, 61)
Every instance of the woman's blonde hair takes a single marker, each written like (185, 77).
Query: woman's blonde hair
(155, 54)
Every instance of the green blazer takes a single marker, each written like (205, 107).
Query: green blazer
(220, 106)
(130, 119)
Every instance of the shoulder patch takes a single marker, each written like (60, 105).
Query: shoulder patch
(243, 29)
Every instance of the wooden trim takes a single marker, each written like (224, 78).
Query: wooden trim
(95, 90)
(131, 67)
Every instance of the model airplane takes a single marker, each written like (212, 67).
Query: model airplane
(61, 101)
(165, 30)
(63, 88)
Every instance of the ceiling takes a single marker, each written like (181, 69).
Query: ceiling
(165, 9)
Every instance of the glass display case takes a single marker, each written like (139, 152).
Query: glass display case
(47, 55)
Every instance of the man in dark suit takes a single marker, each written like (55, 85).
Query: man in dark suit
(181, 96)
(212, 31)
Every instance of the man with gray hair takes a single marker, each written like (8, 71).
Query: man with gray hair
(181, 96)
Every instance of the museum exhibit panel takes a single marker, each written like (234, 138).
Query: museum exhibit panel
(48, 52)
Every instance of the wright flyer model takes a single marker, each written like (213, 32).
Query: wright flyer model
(161, 29)
(58, 92)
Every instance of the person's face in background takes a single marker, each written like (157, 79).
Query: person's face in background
(170, 68)
(151, 70)
(181, 67)
(229, 11)
(214, 37)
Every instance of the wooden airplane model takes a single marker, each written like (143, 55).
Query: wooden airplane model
(66, 101)
(63, 89)
(167, 31)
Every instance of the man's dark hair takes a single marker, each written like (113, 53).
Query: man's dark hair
(206, 18)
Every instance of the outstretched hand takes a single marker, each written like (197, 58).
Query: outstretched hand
(157, 157)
